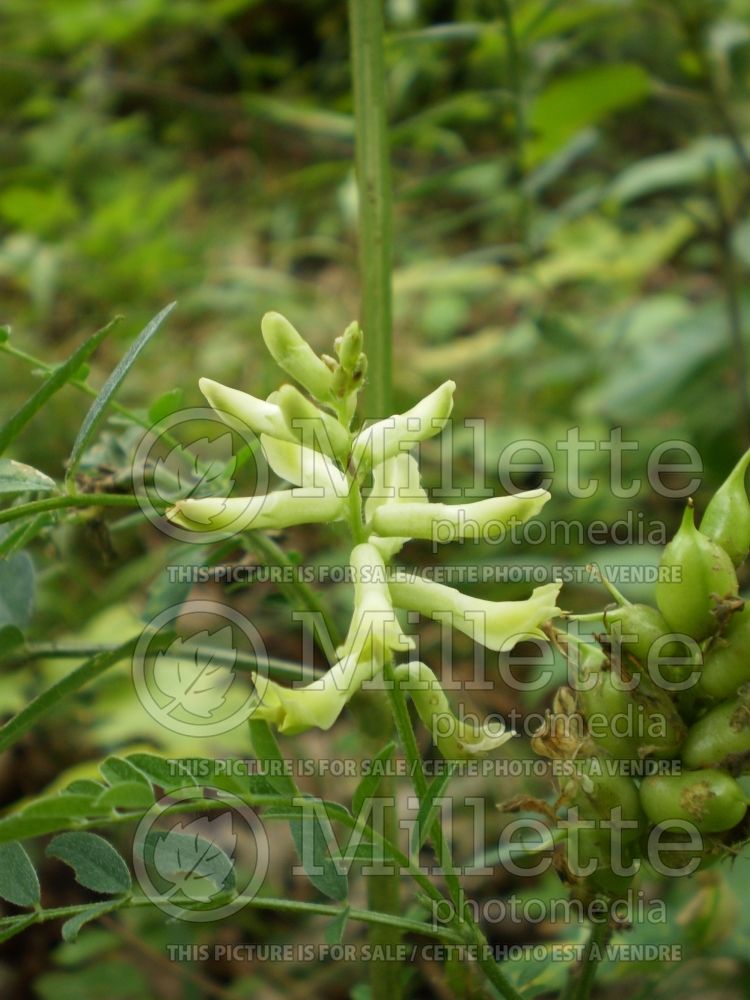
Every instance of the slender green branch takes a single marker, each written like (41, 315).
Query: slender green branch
(68, 500)
(20, 724)
(374, 186)
(91, 391)
(581, 979)
(277, 669)
(404, 924)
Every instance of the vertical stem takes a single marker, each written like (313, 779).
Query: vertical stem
(582, 979)
(374, 187)
(516, 85)
(373, 184)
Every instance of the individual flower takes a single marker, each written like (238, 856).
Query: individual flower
(310, 425)
(498, 625)
(259, 415)
(291, 352)
(303, 466)
(373, 634)
(316, 705)
(440, 522)
(374, 631)
(274, 511)
(398, 433)
(455, 738)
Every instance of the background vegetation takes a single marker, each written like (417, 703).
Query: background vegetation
(572, 246)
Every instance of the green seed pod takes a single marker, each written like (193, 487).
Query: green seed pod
(311, 426)
(603, 795)
(711, 800)
(722, 737)
(696, 574)
(629, 716)
(727, 517)
(641, 630)
(726, 664)
(291, 352)
(682, 848)
(598, 788)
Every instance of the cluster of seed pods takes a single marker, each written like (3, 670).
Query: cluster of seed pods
(653, 732)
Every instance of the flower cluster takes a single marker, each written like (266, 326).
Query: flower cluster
(370, 479)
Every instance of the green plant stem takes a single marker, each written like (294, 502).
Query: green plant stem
(83, 386)
(374, 187)
(373, 184)
(69, 500)
(359, 533)
(581, 979)
(461, 907)
(280, 670)
(404, 924)
(20, 724)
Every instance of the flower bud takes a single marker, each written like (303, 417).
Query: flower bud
(260, 416)
(696, 575)
(282, 509)
(456, 739)
(291, 352)
(727, 517)
(726, 664)
(303, 466)
(721, 738)
(498, 625)
(709, 799)
(396, 434)
(349, 347)
(440, 522)
(311, 426)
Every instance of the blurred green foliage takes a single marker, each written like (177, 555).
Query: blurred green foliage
(565, 176)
